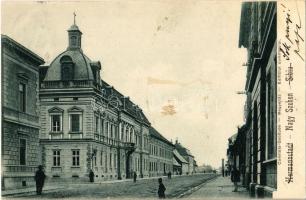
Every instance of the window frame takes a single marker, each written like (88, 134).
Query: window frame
(23, 96)
(75, 157)
(23, 155)
(56, 158)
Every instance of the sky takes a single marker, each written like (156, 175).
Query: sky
(178, 60)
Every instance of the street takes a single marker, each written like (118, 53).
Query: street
(194, 186)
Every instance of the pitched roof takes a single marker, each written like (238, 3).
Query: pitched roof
(179, 157)
(126, 104)
(157, 135)
(182, 150)
(175, 163)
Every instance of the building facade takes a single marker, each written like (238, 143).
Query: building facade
(258, 36)
(186, 154)
(20, 119)
(86, 124)
(180, 165)
(161, 154)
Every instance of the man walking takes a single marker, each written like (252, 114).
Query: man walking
(40, 179)
(161, 189)
(235, 178)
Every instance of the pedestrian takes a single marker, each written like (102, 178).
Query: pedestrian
(40, 179)
(91, 176)
(235, 178)
(135, 177)
(169, 175)
(161, 189)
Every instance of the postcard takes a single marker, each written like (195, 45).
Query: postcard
(138, 99)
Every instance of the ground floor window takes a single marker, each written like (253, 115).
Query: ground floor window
(56, 158)
(22, 151)
(76, 158)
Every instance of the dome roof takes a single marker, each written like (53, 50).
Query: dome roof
(74, 28)
(82, 68)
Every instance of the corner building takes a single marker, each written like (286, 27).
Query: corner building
(86, 124)
(20, 119)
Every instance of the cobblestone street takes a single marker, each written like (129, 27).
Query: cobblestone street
(175, 187)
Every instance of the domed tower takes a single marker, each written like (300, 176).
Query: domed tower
(72, 66)
(69, 105)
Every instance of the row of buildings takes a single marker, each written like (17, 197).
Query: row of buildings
(65, 117)
(252, 149)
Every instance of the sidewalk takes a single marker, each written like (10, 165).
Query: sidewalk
(52, 186)
(31, 190)
(221, 187)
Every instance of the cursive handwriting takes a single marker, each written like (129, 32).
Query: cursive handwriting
(298, 37)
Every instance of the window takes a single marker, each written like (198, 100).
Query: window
(76, 158)
(67, 68)
(56, 123)
(110, 161)
(22, 151)
(115, 161)
(97, 124)
(73, 40)
(106, 162)
(56, 158)
(95, 159)
(102, 127)
(112, 130)
(101, 159)
(271, 138)
(22, 97)
(75, 125)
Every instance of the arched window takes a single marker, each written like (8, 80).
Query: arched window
(67, 68)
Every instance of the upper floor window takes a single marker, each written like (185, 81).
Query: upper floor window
(75, 119)
(22, 97)
(67, 68)
(56, 123)
(97, 124)
(75, 125)
(56, 119)
(73, 40)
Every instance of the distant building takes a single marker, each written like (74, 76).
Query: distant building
(258, 35)
(20, 119)
(161, 156)
(180, 165)
(186, 154)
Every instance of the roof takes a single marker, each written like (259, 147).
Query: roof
(74, 28)
(233, 138)
(82, 69)
(9, 41)
(175, 163)
(126, 104)
(179, 157)
(154, 133)
(182, 150)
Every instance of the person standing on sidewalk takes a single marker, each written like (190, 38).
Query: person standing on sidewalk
(40, 179)
(135, 177)
(235, 178)
(91, 176)
(161, 189)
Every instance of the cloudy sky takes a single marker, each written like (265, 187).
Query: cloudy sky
(178, 60)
